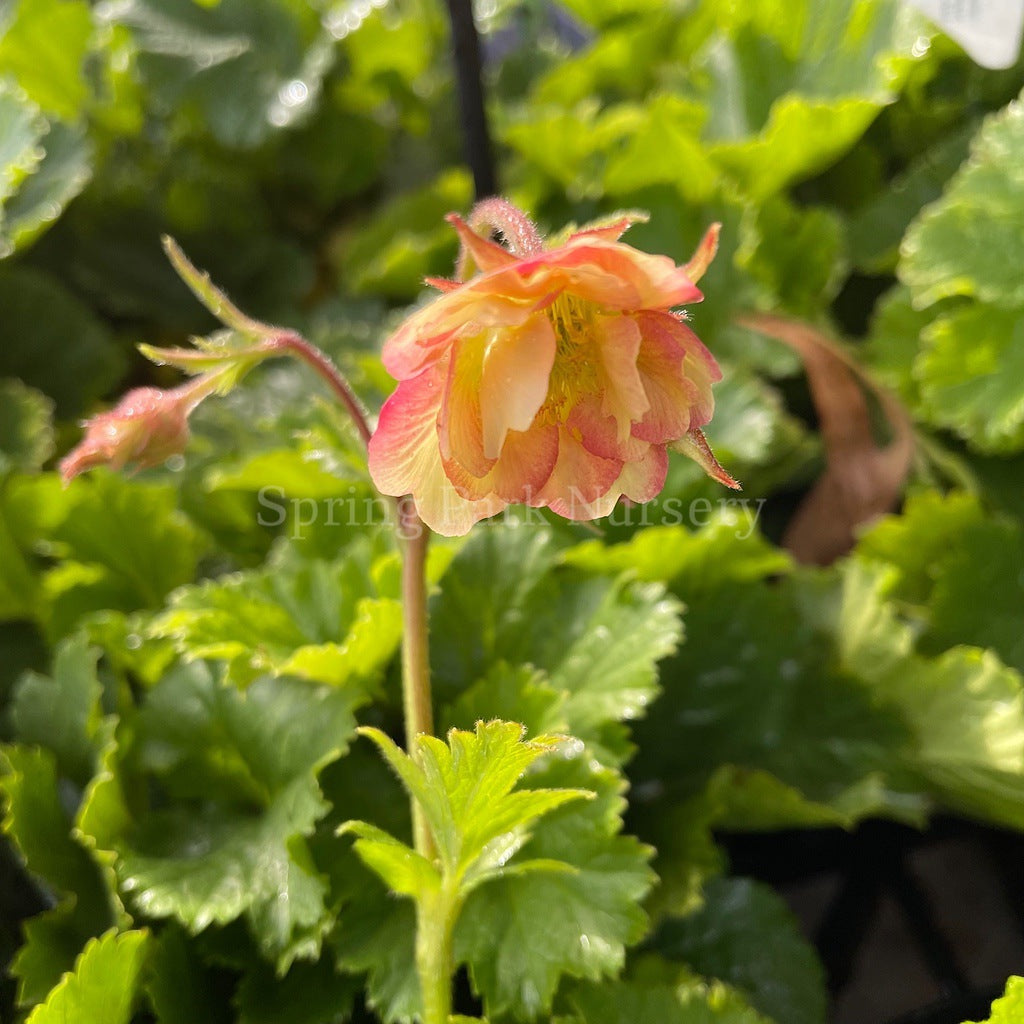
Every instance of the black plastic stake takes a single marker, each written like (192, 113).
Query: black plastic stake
(469, 77)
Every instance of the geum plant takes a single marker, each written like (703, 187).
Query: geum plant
(554, 375)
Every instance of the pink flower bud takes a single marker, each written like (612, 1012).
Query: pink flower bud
(557, 377)
(144, 429)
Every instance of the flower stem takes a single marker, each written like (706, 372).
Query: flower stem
(436, 919)
(419, 717)
(296, 345)
(435, 924)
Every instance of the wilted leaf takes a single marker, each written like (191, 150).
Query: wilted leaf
(862, 478)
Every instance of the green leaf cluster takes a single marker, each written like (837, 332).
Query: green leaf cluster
(185, 658)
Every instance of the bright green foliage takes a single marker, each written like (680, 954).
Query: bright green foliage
(465, 791)
(21, 128)
(241, 769)
(520, 935)
(964, 243)
(814, 680)
(43, 47)
(26, 431)
(104, 985)
(391, 255)
(970, 373)
(322, 620)
(477, 823)
(600, 659)
(181, 666)
(745, 935)
(1008, 1008)
(125, 546)
(961, 568)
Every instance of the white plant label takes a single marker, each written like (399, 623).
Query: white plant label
(989, 30)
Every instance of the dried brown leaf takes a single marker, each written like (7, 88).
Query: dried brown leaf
(862, 479)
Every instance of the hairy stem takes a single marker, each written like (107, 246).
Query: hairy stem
(435, 924)
(296, 345)
(419, 716)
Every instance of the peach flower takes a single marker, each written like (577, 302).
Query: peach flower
(553, 377)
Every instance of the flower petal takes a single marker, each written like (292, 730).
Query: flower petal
(470, 309)
(618, 345)
(487, 255)
(525, 466)
(403, 447)
(460, 434)
(514, 385)
(446, 511)
(617, 276)
(578, 480)
(677, 372)
(611, 230)
(642, 479)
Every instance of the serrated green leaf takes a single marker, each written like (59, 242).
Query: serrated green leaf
(969, 373)
(795, 254)
(915, 541)
(63, 172)
(232, 61)
(598, 639)
(21, 129)
(104, 985)
(26, 430)
(745, 935)
(326, 621)
(404, 871)
(1009, 1008)
(520, 935)
(464, 788)
(294, 474)
(964, 243)
(515, 694)
(406, 240)
(41, 831)
(815, 680)
(894, 341)
(63, 712)
(876, 227)
(125, 547)
(664, 138)
(959, 568)
(727, 549)
(241, 768)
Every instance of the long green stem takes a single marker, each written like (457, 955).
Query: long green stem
(435, 925)
(419, 715)
(436, 918)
